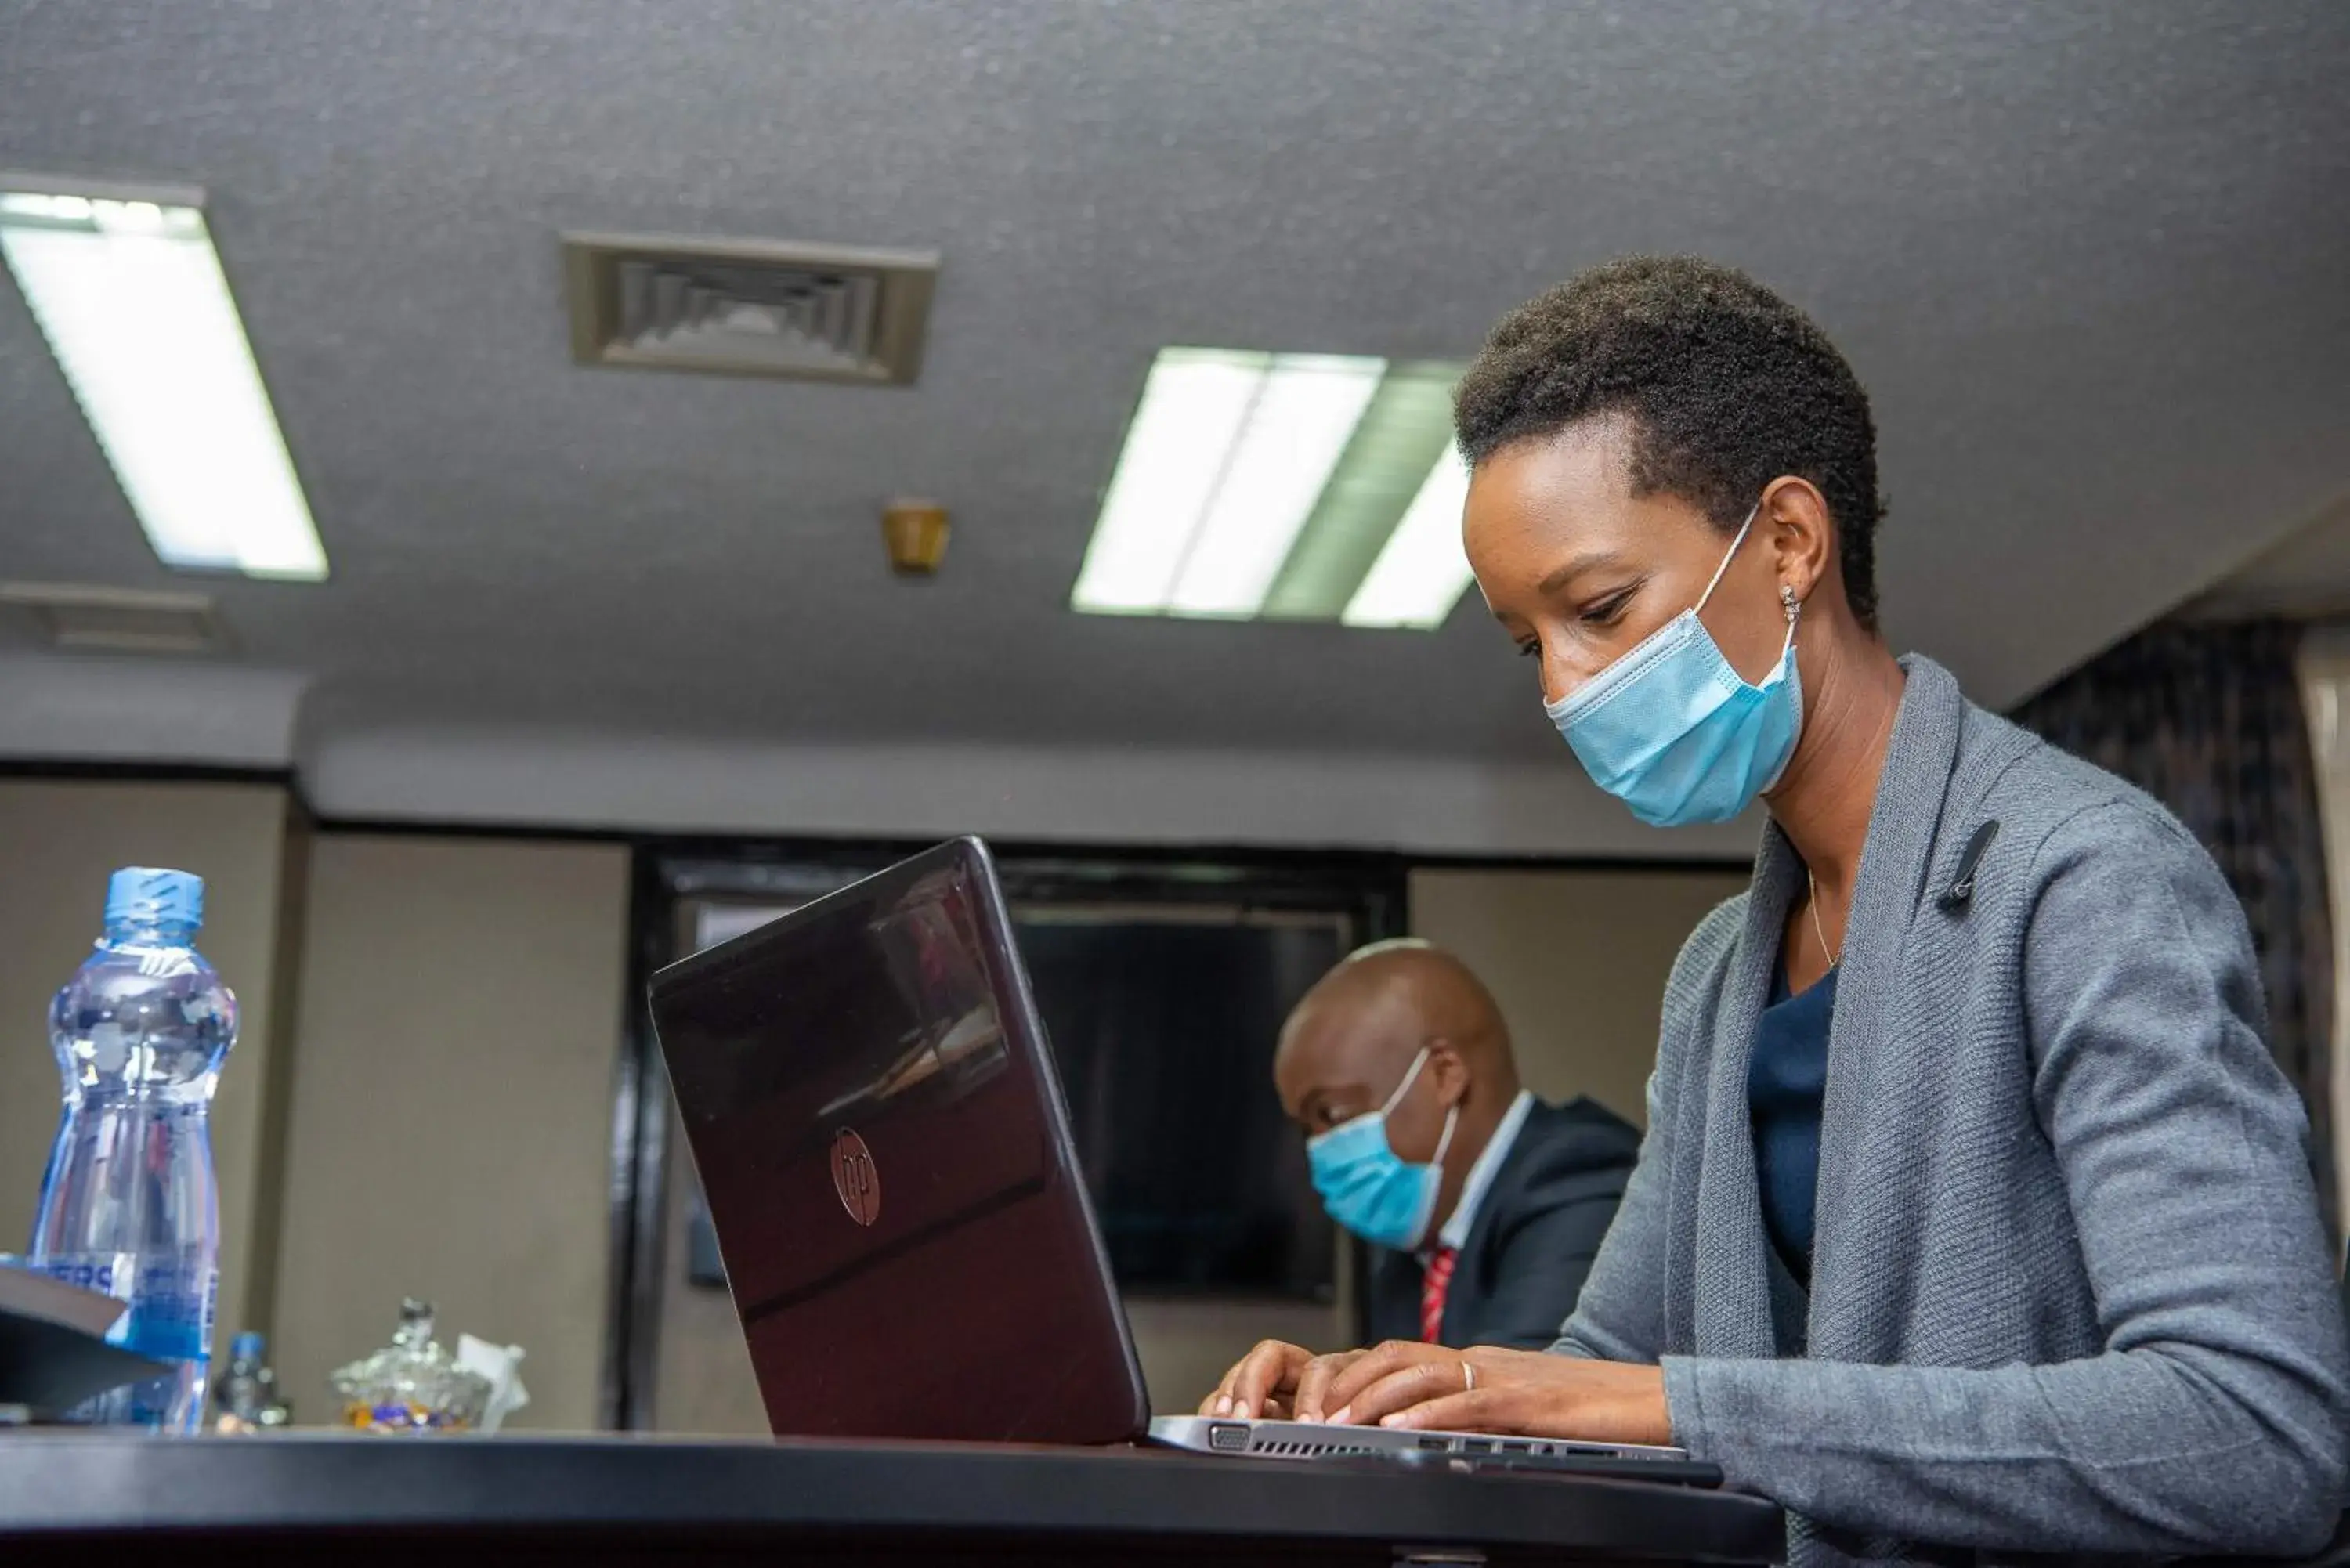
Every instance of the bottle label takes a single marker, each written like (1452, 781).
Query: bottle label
(170, 1299)
(108, 1273)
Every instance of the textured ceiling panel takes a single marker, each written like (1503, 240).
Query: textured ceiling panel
(2090, 261)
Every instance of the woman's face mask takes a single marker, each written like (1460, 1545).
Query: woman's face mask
(1367, 1186)
(1675, 733)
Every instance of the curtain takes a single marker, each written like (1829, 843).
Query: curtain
(2209, 719)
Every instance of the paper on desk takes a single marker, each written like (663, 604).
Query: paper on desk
(28, 1293)
(53, 1349)
(500, 1364)
(46, 1366)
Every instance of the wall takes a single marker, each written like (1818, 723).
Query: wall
(59, 841)
(2325, 687)
(233, 713)
(1577, 960)
(450, 1131)
(147, 712)
(1299, 797)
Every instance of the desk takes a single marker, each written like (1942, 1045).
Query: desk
(325, 1498)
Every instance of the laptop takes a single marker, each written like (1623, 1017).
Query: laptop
(872, 1107)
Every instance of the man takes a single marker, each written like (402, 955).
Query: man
(1489, 1204)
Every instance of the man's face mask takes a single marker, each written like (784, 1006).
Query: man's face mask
(1367, 1186)
(1675, 733)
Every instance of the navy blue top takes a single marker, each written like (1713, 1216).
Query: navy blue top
(1784, 1084)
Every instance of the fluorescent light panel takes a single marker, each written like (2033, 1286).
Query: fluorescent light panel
(1422, 572)
(1298, 423)
(1255, 483)
(1407, 427)
(1192, 408)
(130, 296)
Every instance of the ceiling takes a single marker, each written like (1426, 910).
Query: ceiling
(2089, 260)
(2305, 576)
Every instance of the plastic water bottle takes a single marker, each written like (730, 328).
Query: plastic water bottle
(129, 1206)
(247, 1398)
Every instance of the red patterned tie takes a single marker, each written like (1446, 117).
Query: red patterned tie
(1434, 1286)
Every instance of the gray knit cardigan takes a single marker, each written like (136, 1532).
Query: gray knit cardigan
(2070, 1293)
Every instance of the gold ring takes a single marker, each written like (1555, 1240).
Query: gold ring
(1468, 1379)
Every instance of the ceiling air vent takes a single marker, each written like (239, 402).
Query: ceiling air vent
(748, 308)
(87, 618)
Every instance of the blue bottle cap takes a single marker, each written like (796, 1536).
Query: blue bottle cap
(245, 1346)
(151, 896)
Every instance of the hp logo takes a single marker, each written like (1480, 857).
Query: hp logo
(854, 1178)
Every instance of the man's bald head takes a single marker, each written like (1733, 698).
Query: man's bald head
(1348, 1043)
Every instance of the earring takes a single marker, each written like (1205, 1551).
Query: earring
(1788, 602)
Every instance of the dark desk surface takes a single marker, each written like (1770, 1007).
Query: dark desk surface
(641, 1499)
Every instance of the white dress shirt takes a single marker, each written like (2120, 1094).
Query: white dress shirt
(1455, 1234)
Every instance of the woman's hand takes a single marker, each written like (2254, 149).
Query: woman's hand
(1516, 1393)
(1277, 1382)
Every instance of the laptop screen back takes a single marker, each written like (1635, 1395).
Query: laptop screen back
(881, 1143)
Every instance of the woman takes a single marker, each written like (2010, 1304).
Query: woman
(1972, 1212)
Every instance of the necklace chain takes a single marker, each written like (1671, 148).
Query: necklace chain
(1818, 929)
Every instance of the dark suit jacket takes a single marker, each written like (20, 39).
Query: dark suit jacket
(1532, 1240)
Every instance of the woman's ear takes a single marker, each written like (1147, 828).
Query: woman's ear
(1802, 535)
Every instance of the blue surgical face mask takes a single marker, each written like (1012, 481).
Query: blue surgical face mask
(1677, 734)
(1367, 1186)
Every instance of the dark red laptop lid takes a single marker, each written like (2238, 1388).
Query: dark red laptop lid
(882, 1144)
